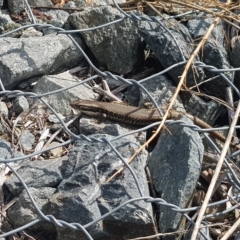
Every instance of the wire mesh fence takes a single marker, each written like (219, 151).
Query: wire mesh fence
(73, 137)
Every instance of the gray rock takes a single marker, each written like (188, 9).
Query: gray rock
(88, 125)
(60, 101)
(10, 27)
(4, 18)
(204, 230)
(53, 119)
(59, 15)
(3, 129)
(20, 104)
(83, 195)
(6, 24)
(37, 174)
(59, 18)
(31, 32)
(216, 55)
(214, 52)
(3, 109)
(167, 51)
(6, 153)
(24, 212)
(82, 3)
(37, 3)
(113, 83)
(235, 58)
(161, 89)
(236, 235)
(132, 95)
(27, 139)
(1, 3)
(198, 27)
(28, 84)
(208, 111)
(88, 167)
(75, 3)
(16, 7)
(57, 151)
(36, 56)
(118, 46)
(106, 2)
(71, 207)
(99, 125)
(55, 127)
(175, 166)
(210, 149)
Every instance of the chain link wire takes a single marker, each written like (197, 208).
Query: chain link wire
(159, 201)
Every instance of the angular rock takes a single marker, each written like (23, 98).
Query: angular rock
(20, 104)
(24, 211)
(6, 152)
(16, 7)
(235, 58)
(81, 185)
(236, 235)
(31, 32)
(3, 129)
(75, 4)
(167, 51)
(214, 52)
(216, 55)
(3, 109)
(208, 111)
(55, 152)
(86, 172)
(175, 166)
(204, 230)
(118, 46)
(198, 27)
(70, 206)
(27, 139)
(60, 101)
(6, 24)
(132, 95)
(81, 3)
(88, 125)
(58, 19)
(53, 119)
(82, 193)
(161, 89)
(107, 2)
(29, 57)
(37, 174)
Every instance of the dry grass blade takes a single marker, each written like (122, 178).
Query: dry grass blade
(41, 141)
(231, 230)
(216, 174)
(224, 151)
(172, 233)
(218, 100)
(224, 9)
(58, 131)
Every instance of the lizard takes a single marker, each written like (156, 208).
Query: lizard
(137, 116)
